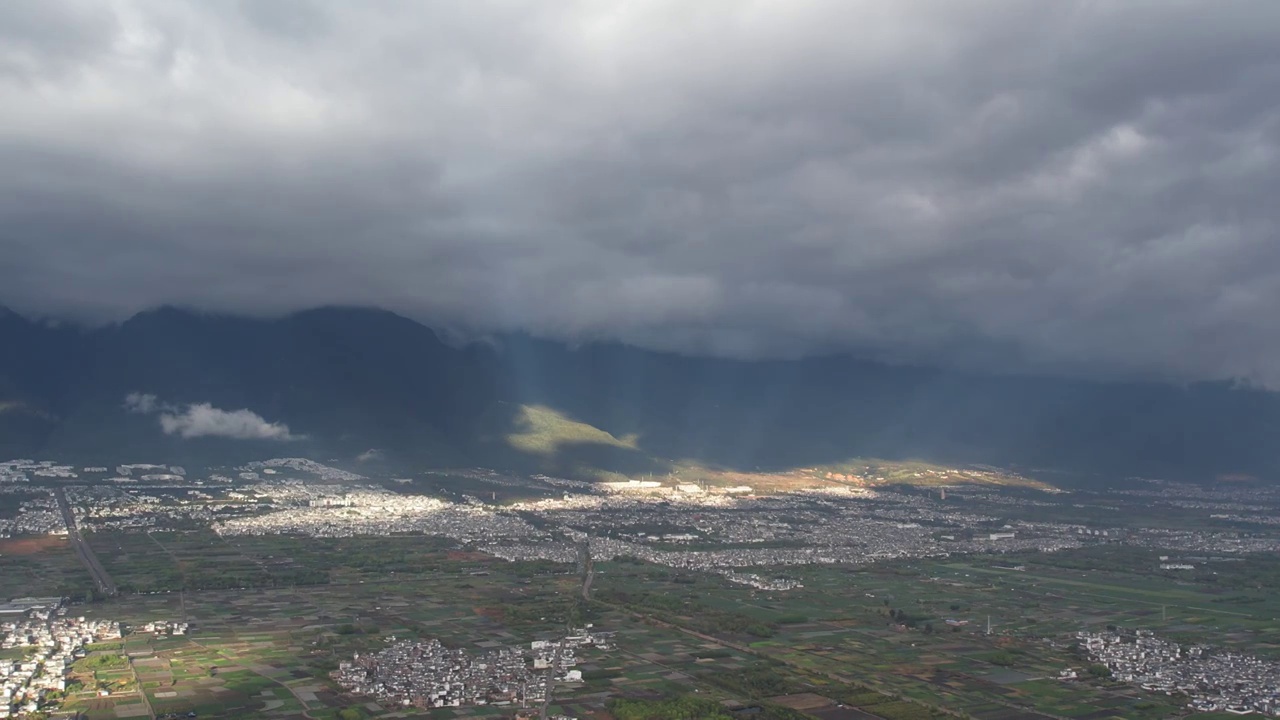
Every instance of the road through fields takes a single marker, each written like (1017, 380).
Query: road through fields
(100, 577)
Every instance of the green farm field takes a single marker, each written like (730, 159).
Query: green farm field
(855, 642)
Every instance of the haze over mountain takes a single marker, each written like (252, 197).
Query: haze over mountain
(174, 385)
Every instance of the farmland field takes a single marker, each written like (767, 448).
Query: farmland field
(41, 565)
(853, 642)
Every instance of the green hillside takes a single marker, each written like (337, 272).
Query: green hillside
(544, 431)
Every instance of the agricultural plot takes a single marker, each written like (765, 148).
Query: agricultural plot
(1069, 600)
(267, 652)
(135, 561)
(895, 641)
(202, 560)
(887, 628)
(41, 565)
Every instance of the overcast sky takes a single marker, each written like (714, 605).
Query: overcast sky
(1084, 186)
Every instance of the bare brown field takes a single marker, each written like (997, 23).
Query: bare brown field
(32, 545)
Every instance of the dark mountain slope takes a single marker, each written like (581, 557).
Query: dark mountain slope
(38, 361)
(355, 379)
(349, 380)
(787, 414)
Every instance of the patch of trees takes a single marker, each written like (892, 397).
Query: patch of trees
(766, 679)
(690, 613)
(391, 559)
(558, 609)
(889, 707)
(78, 594)
(1003, 659)
(301, 576)
(212, 577)
(905, 618)
(214, 580)
(678, 708)
(758, 680)
(902, 710)
(687, 707)
(320, 667)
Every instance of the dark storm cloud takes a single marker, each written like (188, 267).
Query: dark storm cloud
(1072, 185)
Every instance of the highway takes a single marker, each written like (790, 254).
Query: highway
(100, 577)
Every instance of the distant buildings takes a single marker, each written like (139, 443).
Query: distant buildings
(164, 627)
(427, 674)
(1214, 681)
(37, 513)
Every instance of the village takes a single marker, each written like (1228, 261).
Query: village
(427, 674)
(1214, 681)
(50, 643)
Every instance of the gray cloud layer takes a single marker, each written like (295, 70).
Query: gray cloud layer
(1067, 185)
(205, 420)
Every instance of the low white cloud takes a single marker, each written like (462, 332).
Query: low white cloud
(205, 420)
(141, 403)
(371, 454)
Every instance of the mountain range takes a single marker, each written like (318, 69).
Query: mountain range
(354, 382)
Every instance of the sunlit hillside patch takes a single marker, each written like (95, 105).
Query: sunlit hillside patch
(544, 431)
(853, 474)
